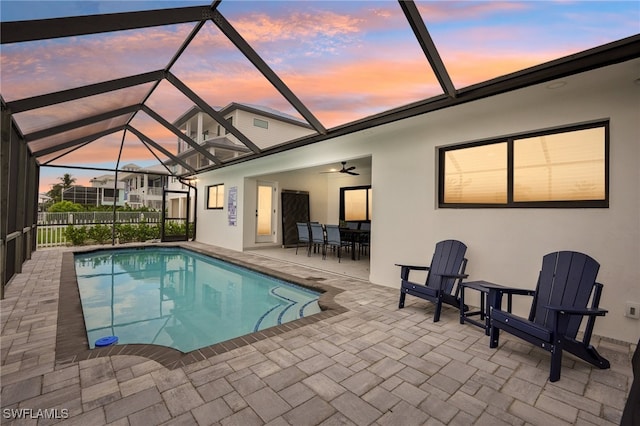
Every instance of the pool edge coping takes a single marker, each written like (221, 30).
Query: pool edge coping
(72, 344)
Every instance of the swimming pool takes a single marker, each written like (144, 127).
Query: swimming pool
(178, 298)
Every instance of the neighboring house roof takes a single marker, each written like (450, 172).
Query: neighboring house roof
(266, 111)
(156, 169)
(131, 166)
(224, 143)
(102, 178)
(221, 142)
(255, 109)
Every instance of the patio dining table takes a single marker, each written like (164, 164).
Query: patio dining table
(353, 236)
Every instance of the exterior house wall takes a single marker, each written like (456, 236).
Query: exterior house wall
(278, 131)
(504, 245)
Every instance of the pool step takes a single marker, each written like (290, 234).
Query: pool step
(295, 308)
(290, 309)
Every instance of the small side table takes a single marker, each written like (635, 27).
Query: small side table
(484, 287)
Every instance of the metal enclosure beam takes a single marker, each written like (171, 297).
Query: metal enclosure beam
(262, 66)
(104, 169)
(169, 172)
(428, 47)
(205, 107)
(598, 57)
(148, 140)
(41, 101)
(193, 144)
(5, 170)
(41, 29)
(75, 142)
(80, 123)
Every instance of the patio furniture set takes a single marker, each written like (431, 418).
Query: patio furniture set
(566, 293)
(315, 236)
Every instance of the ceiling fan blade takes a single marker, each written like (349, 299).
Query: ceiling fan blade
(344, 169)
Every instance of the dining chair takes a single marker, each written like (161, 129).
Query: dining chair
(334, 240)
(317, 237)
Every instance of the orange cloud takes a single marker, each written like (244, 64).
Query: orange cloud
(104, 151)
(322, 53)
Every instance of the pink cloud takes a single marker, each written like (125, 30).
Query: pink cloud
(34, 68)
(323, 55)
(258, 28)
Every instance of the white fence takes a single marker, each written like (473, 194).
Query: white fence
(51, 236)
(52, 226)
(88, 218)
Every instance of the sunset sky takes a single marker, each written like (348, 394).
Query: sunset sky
(345, 60)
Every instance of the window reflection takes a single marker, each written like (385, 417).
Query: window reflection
(215, 196)
(355, 203)
(564, 166)
(476, 175)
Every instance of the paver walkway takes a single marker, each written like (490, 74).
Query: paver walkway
(374, 364)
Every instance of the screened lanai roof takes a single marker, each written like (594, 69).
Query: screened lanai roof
(97, 83)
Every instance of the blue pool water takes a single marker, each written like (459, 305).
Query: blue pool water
(181, 299)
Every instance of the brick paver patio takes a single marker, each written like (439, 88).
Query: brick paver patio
(371, 364)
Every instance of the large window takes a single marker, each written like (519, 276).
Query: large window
(355, 203)
(215, 196)
(565, 167)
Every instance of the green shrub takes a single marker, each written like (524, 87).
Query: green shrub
(100, 233)
(66, 206)
(77, 235)
(174, 228)
(126, 232)
(177, 228)
(130, 232)
(148, 232)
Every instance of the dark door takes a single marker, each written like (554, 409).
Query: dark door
(295, 208)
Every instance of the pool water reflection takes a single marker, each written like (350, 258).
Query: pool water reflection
(181, 299)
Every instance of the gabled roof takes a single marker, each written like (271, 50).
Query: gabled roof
(261, 110)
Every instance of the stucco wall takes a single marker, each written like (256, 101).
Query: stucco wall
(505, 245)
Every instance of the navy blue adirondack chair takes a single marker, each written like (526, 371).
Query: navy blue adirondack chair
(566, 284)
(445, 272)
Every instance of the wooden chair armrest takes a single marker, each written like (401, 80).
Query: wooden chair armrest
(577, 311)
(406, 269)
(412, 267)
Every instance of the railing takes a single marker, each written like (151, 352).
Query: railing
(51, 236)
(52, 226)
(152, 190)
(88, 218)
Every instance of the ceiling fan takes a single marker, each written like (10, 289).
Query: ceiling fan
(345, 169)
